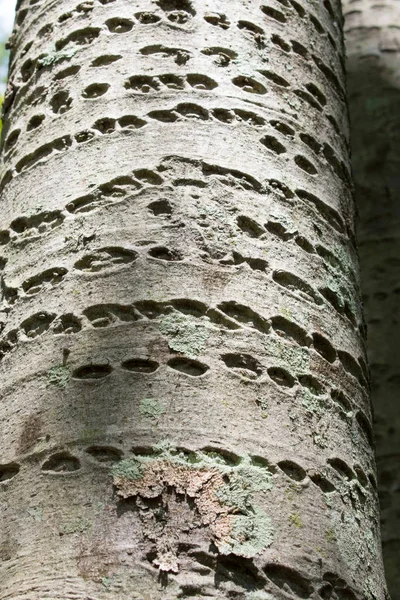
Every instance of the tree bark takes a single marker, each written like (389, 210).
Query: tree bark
(185, 395)
(373, 44)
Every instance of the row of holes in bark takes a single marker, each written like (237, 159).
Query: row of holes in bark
(149, 84)
(253, 229)
(30, 227)
(229, 315)
(245, 575)
(179, 12)
(168, 6)
(61, 102)
(115, 257)
(111, 257)
(122, 185)
(145, 83)
(222, 57)
(241, 364)
(64, 461)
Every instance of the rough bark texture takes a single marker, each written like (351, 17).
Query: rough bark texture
(185, 405)
(373, 45)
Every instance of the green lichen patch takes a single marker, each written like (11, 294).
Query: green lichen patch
(242, 483)
(58, 375)
(249, 535)
(54, 56)
(78, 525)
(296, 520)
(151, 408)
(313, 403)
(292, 491)
(292, 357)
(221, 487)
(185, 334)
(36, 513)
(330, 535)
(129, 469)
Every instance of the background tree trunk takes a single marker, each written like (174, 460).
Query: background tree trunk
(373, 44)
(184, 390)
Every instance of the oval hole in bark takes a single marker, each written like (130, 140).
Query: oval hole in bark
(324, 347)
(9, 471)
(341, 467)
(281, 377)
(305, 164)
(61, 462)
(243, 364)
(160, 207)
(222, 455)
(187, 366)
(95, 90)
(292, 470)
(93, 371)
(324, 484)
(105, 454)
(288, 579)
(272, 13)
(119, 25)
(140, 365)
(312, 384)
(163, 253)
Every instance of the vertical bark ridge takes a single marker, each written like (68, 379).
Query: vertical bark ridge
(184, 391)
(373, 44)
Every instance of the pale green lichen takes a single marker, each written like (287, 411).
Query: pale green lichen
(289, 356)
(151, 408)
(330, 535)
(370, 589)
(313, 403)
(78, 525)
(54, 56)
(131, 468)
(58, 375)
(36, 513)
(250, 534)
(296, 520)
(251, 530)
(243, 482)
(185, 334)
(106, 582)
(352, 539)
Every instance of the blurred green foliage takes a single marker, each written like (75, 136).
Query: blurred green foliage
(3, 67)
(1, 120)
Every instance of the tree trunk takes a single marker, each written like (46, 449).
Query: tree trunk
(373, 45)
(185, 397)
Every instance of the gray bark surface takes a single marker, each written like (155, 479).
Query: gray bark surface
(185, 402)
(373, 45)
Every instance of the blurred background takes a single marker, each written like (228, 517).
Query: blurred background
(7, 8)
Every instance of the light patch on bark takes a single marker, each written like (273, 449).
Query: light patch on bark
(223, 498)
(184, 334)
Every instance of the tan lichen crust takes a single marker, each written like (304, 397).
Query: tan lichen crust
(185, 403)
(373, 48)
